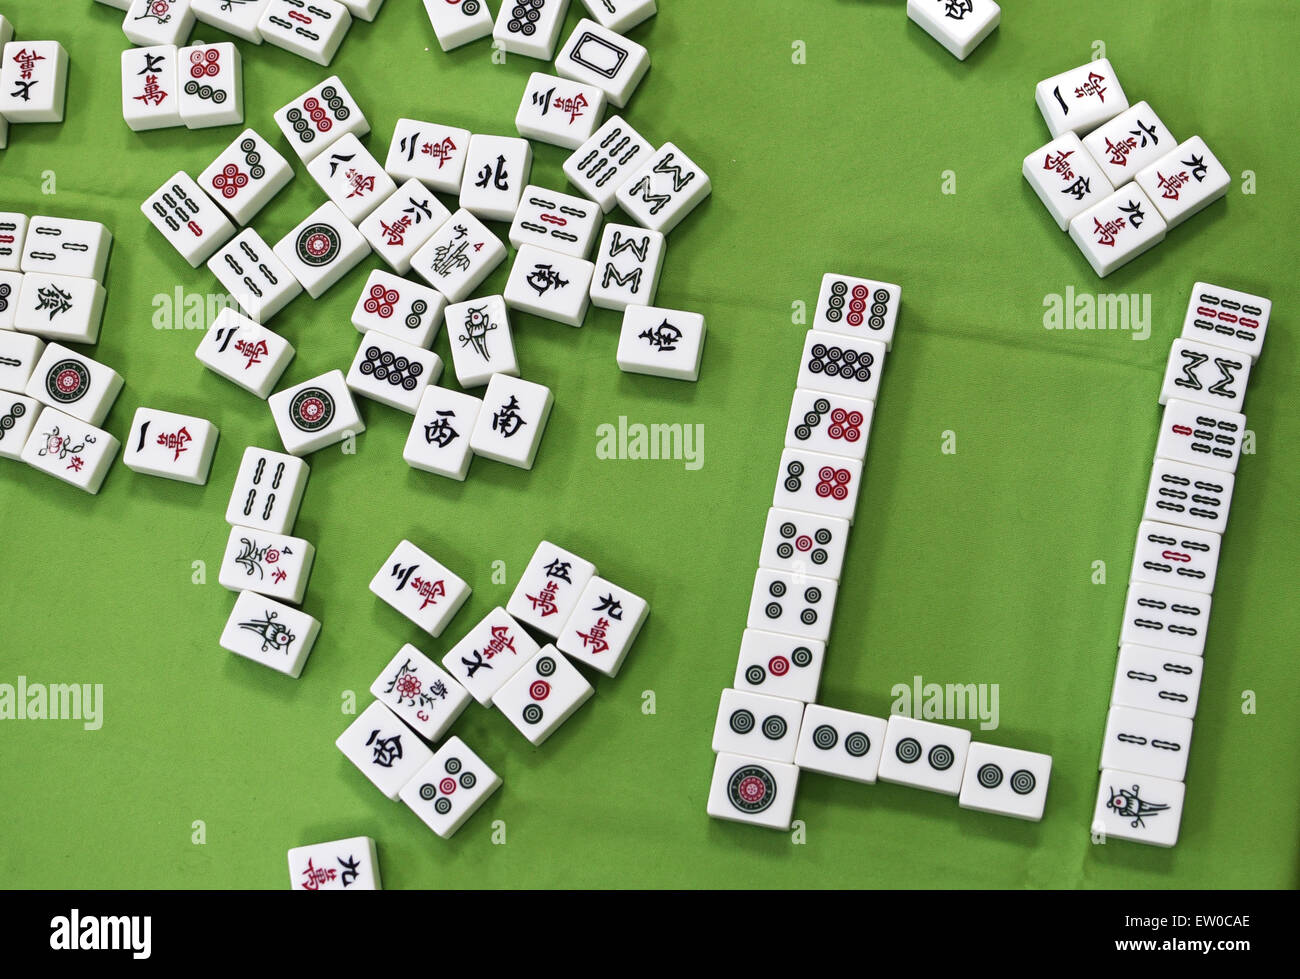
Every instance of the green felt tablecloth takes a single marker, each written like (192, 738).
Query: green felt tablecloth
(973, 567)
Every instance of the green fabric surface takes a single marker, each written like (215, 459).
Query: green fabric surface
(973, 567)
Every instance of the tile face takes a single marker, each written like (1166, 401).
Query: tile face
(67, 448)
(150, 95)
(600, 165)
(1138, 808)
(74, 384)
(542, 695)
(1201, 435)
(619, 15)
(1147, 743)
(428, 152)
(595, 55)
(559, 111)
(457, 22)
(559, 222)
(924, 755)
(311, 29)
(603, 626)
(1066, 178)
(550, 588)
(819, 484)
(627, 267)
(171, 446)
(497, 169)
(530, 27)
(1005, 781)
(1157, 679)
(420, 588)
(351, 177)
(1081, 99)
(661, 342)
(158, 21)
(478, 332)
(1227, 318)
(315, 413)
(840, 743)
(239, 19)
(858, 308)
(550, 285)
(400, 308)
(268, 491)
(418, 691)
(274, 565)
(187, 218)
(1206, 374)
(247, 174)
(792, 604)
(398, 226)
(341, 865)
(11, 287)
(450, 787)
(748, 790)
(19, 352)
(244, 352)
(254, 276)
(1117, 230)
(758, 726)
(1189, 496)
(13, 235)
(439, 438)
(1179, 556)
(386, 750)
(66, 246)
(804, 543)
(959, 25)
(1129, 143)
(34, 80)
(666, 188)
(489, 655)
(322, 114)
(1167, 618)
(841, 365)
(270, 633)
(1185, 182)
(211, 78)
(18, 416)
(509, 429)
(59, 307)
(780, 666)
(392, 372)
(322, 249)
(458, 256)
(832, 423)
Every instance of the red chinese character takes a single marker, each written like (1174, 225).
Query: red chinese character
(1060, 164)
(153, 93)
(439, 151)
(1092, 86)
(395, 232)
(1172, 184)
(545, 600)
(595, 636)
(26, 61)
(178, 442)
(428, 590)
(253, 351)
(360, 183)
(1107, 232)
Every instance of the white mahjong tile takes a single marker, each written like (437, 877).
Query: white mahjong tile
(478, 332)
(604, 624)
(401, 224)
(489, 655)
(841, 365)
(439, 438)
(271, 564)
(559, 111)
(320, 115)
(858, 308)
(628, 264)
(1234, 320)
(558, 222)
(244, 352)
(11, 289)
(13, 236)
(619, 15)
(749, 790)
(1005, 781)
(840, 743)
(34, 80)
(549, 284)
(458, 256)
(1138, 808)
(311, 29)
(170, 445)
(831, 423)
(232, 16)
(924, 755)
(351, 178)
(1157, 679)
(18, 416)
(340, 865)
(59, 307)
(420, 588)
(386, 751)
(550, 588)
(363, 9)
(246, 175)
(69, 449)
(400, 308)
(757, 725)
(420, 692)
(66, 246)
(1165, 617)
(158, 21)
(1185, 181)
(1167, 554)
(804, 543)
(665, 188)
(325, 247)
(267, 491)
(1189, 496)
(959, 25)
(19, 352)
(150, 91)
(817, 483)
(1129, 143)
(595, 55)
(782, 666)
(429, 152)
(1081, 99)
(211, 83)
(661, 342)
(1146, 742)
(270, 633)
(1117, 229)
(450, 787)
(1201, 435)
(187, 217)
(509, 429)
(1207, 374)
(254, 276)
(1066, 178)
(543, 694)
(74, 384)
(497, 169)
(392, 371)
(315, 413)
(457, 22)
(530, 27)
(603, 163)
(798, 605)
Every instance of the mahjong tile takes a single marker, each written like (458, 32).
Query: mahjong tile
(150, 96)
(478, 332)
(1081, 99)
(1066, 178)
(59, 307)
(1005, 781)
(1158, 680)
(1201, 435)
(211, 84)
(550, 588)
(666, 187)
(311, 29)
(270, 633)
(457, 22)
(550, 284)
(628, 264)
(509, 429)
(1127, 144)
(439, 438)
(661, 342)
(400, 308)
(595, 55)
(750, 790)
(319, 116)
(1207, 374)
(1139, 808)
(170, 445)
(1185, 182)
(558, 222)
(254, 276)
(1167, 554)
(325, 247)
(757, 725)
(489, 655)
(352, 178)
(840, 743)
(246, 175)
(1189, 496)
(458, 256)
(386, 750)
(340, 865)
(34, 79)
(74, 384)
(400, 225)
(543, 694)
(392, 371)
(832, 423)
(817, 483)
(19, 352)
(798, 605)
(420, 588)
(804, 543)
(66, 246)
(186, 216)
(601, 165)
(559, 111)
(67, 448)
(420, 692)
(858, 308)
(604, 624)
(781, 666)
(1226, 317)
(450, 787)
(497, 169)
(924, 755)
(429, 152)
(1146, 742)
(841, 365)
(274, 565)
(315, 413)
(1165, 617)
(18, 415)
(244, 352)
(267, 491)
